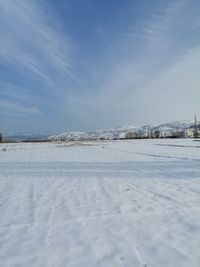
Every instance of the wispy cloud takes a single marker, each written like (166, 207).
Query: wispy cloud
(18, 102)
(16, 109)
(32, 41)
(146, 70)
(156, 78)
(36, 56)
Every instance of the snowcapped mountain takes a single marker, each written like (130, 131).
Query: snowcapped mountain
(175, 125)
(123, 131)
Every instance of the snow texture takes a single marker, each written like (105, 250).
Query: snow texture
(117, 203)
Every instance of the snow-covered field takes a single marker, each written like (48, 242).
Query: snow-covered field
(122, 203)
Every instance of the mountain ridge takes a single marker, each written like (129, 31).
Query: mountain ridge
(121, 131)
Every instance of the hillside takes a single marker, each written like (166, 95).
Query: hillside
(121, 132)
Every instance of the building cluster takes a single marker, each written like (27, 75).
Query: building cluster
(177, 133)
(193, 131)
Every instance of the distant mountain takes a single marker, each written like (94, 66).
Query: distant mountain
(175, 125)
(21, 137)
(122, 131)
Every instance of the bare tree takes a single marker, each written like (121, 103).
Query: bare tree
(195, 127)
(1, 138)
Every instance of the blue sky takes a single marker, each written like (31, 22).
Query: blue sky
(88, 64)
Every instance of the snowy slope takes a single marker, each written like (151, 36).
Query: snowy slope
(175, 125)
(120, 132)
(100, 204)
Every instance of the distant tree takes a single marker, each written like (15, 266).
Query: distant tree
(130, 135)
(157, 133)
(195, 127)
(1, 138)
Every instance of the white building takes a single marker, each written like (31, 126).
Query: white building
(189, 133)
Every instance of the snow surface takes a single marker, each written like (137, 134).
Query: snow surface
(127, 203)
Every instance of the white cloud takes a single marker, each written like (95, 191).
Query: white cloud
(147, 75)
(31, 41)
(17, 109)
(155, 81)
(36, 53)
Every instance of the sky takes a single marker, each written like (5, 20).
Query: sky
(79, 65)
